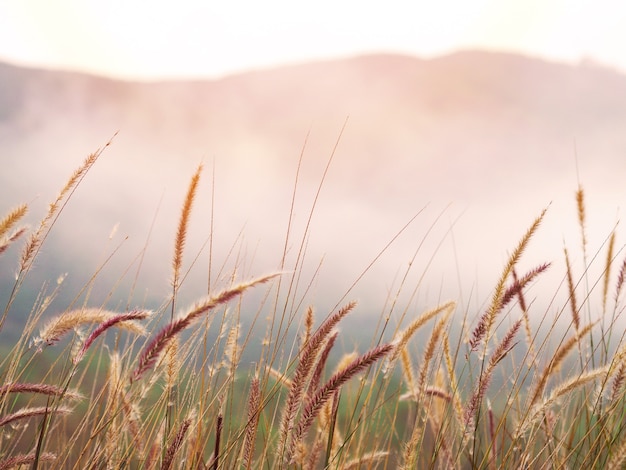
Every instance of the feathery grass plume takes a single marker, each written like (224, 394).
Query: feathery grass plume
(215, 458)
(303, 371)
(436, 415)
(483, 330)
(31, 412)
(151, 352)
(538, 411)
(437, 392)
(530, 344)
(505, 346)
(620, 281)
(316, 376)
(410, 454)
(172, 365)
(618, 372)
(572, 292)
(314, 452)
(171, 350)
(548, 422)
(479, 332)
(519, 284)
(618, 382)
(44, 389)
(580, 204)
(114, 320)
(21, 459)
(254, 413)
(556, 361)
(114, 391)
(231, 349)
(159, 343)
(171, 355)
(409, 375)
(404, 336)
(429, 353)
(368, 460)
(409, 460)
(308, 326)
(607, 271)
(124, 419)
(59, 326)
(327, 437)
(172, 369)
(619, 357)
(419, 390)
(5, 242)
(225, 296)
(327, 430)
(454, 384)
(315, 403)
(37, 238)
(281, 378)
(301, 455)
(328, 415)
(515, 289)
(327, 422)
(618, 457)
(177, 441)
(181, 233)
(12, 218)
(520, 293)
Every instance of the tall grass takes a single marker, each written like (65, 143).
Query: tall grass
(94, 388)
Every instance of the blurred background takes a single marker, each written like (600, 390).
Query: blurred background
(474, 115)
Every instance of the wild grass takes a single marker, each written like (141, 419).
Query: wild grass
(107, 389)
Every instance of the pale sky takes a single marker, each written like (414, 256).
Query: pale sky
(141, 39)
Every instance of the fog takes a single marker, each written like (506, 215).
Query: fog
(473, 145)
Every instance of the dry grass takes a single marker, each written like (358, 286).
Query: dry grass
(128, 389)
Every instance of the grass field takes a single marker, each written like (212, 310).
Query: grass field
(141, 389)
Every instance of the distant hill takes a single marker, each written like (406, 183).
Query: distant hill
(498, 136)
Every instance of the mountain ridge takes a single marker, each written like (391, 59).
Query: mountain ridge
(495, 134)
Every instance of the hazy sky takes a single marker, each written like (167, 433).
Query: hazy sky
(154, 39)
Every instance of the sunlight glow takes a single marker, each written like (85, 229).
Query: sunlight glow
(138, 39)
